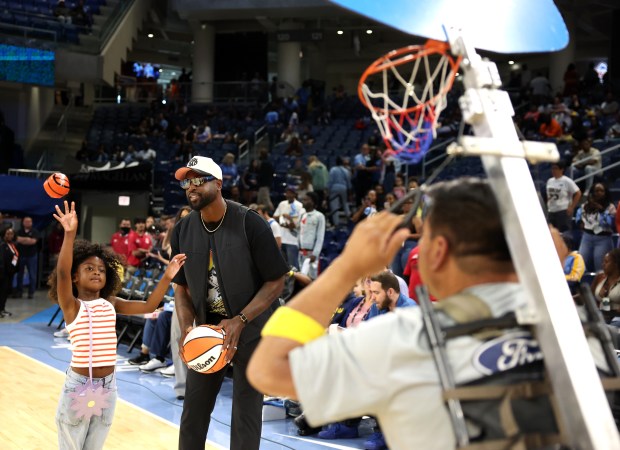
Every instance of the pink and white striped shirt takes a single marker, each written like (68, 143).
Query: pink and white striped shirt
(104, 334)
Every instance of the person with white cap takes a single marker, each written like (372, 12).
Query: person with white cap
(226, 243)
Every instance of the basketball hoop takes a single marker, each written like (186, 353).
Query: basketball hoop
(406, 108)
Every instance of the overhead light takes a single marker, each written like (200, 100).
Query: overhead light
(160, 70)
(511, 62)
(340, 32)
(150, 35)
(163, 102)
(369, 31)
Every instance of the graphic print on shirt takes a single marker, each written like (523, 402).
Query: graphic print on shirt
(215, 303)
(507, 352)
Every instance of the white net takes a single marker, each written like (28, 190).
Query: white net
(405, 91)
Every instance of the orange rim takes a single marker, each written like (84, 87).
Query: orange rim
(405, 55)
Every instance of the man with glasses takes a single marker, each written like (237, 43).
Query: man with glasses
(233, 249)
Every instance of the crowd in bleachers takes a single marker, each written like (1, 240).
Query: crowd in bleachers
(44, 18)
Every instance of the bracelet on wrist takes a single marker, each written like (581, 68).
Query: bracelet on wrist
(243, 318)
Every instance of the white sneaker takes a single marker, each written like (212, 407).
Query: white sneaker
(61, 333)
(168, 372)
(152, 365)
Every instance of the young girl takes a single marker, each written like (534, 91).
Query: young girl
(84, 284)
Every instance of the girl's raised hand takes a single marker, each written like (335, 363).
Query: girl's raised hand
(67, 219)
(175, 265)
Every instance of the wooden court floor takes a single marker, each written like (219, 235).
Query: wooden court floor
(29, 393)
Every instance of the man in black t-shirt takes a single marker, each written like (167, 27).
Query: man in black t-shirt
(27, 245)
(233, 274)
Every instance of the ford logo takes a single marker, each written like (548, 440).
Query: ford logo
(507, 352)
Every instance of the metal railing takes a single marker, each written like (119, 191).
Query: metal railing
(574, 167)
(30, 173)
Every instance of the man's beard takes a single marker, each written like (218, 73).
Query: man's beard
(385, 304)
(205, 200)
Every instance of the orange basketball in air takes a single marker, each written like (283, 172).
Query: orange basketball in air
(203, 349)
(57, 185)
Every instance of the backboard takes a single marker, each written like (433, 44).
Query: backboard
(501, 26)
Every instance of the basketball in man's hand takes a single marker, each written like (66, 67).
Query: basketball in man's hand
(203, 349)
(56, 185)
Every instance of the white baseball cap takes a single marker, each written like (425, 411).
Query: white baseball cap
(202, 165)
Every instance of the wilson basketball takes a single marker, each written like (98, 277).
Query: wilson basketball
(203, 349)
(56, 185)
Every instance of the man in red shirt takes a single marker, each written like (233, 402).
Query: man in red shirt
(139, 244)
(120, 240)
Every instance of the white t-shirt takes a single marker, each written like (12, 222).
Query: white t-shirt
(295, 210)
(275, 228)
(560, 192)
(384, 368)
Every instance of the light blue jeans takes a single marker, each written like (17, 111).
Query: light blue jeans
(593, 248)
(76, 434)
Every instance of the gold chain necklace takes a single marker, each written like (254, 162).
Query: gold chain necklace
(218, 225)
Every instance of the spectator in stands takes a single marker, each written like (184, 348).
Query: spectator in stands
(62, 12)
(588, 159)
(387, 295)
(614, 130)
(399, 189)
(265, 179)
(155, 340)
(120, 239)
(28, 240)
(147, 154)
(549, 127)
(540, 88)
(131, 155)
(362, 177)
(230, 174)
(399, 264)
(204, 134)
(9, 263)
(367, 208)
(606, 287)
(572, 262)
(311, 236)
(305, 185)
(273, 223)
(571, 81)
(83, 154)
(596, 218)
(81, 16)
(595, 129)
(288, 214)
(272, 121)
(178, 369)
(563, 196)
(139, 243)
(610, 106)
(289, 134)
(294, 147)
(101, 156)
(249, 181)
(298, 169)
(320, 178)
(338, 187)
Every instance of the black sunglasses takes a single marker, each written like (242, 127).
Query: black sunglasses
(196, 181)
